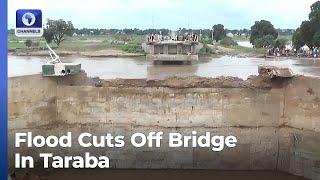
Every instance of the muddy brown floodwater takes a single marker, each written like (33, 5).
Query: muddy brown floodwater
(138, 67)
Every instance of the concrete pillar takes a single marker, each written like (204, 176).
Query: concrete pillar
(165, 49)
(179, 48)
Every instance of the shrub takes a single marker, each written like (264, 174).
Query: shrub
(206, 40)
(265, 41)
(316, 39)
(28, 43)
(227, 41)
(131, 48)
(205, 50)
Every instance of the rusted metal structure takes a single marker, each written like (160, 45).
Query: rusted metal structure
(55, 67)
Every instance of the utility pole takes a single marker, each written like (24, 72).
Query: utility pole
(152, 21)
(212, 34)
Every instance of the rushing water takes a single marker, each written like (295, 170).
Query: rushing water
(110, 68)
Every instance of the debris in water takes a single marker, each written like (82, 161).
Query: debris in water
(273, 71)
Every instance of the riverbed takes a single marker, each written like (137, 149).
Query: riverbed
(138, 67)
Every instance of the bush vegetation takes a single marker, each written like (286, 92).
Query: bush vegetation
(28, 43)
(132, 48)
(228, 41)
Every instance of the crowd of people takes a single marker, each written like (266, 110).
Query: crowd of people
(309, 52)
(303, 51)
(185, 37)
(278, 52)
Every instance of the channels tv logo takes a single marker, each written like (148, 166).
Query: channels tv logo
(29, 23)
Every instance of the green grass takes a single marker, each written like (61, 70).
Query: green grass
(245, 50)
(100, 42)
(22, 45)
(16, 45)
(81, 43)
(132, 48)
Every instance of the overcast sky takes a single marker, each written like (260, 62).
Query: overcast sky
(172, 14)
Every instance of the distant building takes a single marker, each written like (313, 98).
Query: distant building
(230, 35)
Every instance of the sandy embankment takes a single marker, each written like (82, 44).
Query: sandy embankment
(110, 53)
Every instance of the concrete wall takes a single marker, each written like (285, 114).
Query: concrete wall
(177, 57)
(300, 139)
(172, 49)
(277, 128)
(32, 101)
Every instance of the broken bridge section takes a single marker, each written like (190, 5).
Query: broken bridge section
(277, 126)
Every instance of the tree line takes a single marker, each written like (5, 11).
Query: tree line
(309, 31)
(56, 30)
(262, 33)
